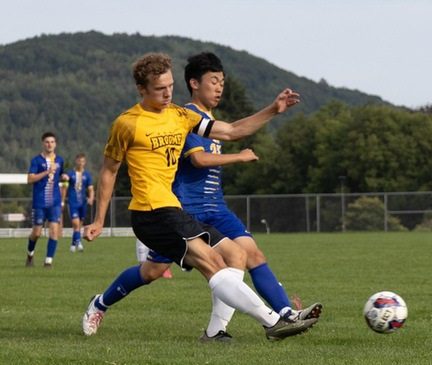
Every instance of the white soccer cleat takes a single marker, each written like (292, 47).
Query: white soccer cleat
(72, 248)
(80, 247)
(92, 318)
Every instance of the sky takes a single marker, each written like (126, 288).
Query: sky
(380, 47)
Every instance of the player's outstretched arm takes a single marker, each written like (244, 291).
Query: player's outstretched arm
(249, 125)
(201, 159)
(107, 178)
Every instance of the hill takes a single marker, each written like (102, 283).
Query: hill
(76, 84)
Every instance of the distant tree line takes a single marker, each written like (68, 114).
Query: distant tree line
(76, 84)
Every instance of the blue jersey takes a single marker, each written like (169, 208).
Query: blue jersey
(78, 186)
(199, 189)
(46, 191)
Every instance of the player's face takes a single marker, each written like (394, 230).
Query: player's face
(49, 144)
(157, 95)
(208, 91)
(80, 163)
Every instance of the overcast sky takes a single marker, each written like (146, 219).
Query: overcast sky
(381, 47)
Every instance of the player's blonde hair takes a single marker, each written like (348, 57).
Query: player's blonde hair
(151, 64)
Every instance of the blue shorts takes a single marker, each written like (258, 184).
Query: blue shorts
(225, 221)
(50, 214)
(78, 212)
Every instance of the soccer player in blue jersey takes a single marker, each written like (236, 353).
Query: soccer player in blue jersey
(45, 173)
(80, 192)
(198, 186)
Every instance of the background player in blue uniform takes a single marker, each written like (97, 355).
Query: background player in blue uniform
(45, 172)
(198, 186)
(80, 192)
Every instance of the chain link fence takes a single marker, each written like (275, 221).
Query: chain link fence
(278, 213)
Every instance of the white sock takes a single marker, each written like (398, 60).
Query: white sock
(141, 251)
(221, 313)
(228, 287)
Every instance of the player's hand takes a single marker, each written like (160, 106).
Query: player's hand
(52, 169)
(286, 99)
(92, 231)
(248, 155)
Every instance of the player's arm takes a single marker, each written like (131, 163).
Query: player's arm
(107, 178)
(201, 159)
(63, 191)
(249, 125)
(32, 178)
(91, 194)
(35, 177)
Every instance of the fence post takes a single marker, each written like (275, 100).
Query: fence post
(248, 213)
(318, 213)
(307, 213)
(385, 212)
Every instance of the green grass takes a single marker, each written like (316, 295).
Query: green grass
(41, 310)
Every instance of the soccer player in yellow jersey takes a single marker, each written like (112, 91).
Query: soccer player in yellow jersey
(149, 137)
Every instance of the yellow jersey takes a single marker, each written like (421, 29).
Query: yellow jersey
(150, 144)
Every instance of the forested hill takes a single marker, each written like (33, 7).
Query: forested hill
(76, 84)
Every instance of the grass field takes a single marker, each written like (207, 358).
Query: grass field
(41, 309)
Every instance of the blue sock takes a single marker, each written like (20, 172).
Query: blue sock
(31, 245)
(127, 281)
(76, 238)
(51, 247)
(269, 287)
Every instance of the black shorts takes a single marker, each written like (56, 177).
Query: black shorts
(166, 231)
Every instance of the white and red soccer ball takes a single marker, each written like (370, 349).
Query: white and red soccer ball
(385, 312)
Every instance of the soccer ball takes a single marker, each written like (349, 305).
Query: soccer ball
(385, 312)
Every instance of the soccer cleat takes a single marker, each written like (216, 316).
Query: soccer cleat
(72, 248)
(313, 311)
(80, 247)
(167, 274)
(285, 328)
(29, 261)
(92, 317)
(221, 336)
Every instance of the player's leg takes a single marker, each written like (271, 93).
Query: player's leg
(37, 221)
(129, 280)
(263, 278)
(77, 215)
(76, 234)
(227, 285)
(53, 217)
(222, 313)
(142, 251)
(226, 282)
(268, 286)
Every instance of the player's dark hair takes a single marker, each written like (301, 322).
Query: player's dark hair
(48, 134)
(80, 155)
(199, 65)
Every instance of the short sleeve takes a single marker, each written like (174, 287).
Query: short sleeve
(33, 169)
(193, 144)
(120, 139)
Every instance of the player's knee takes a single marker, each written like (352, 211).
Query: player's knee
(255, 258)
(151, 271)
(236, 258)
